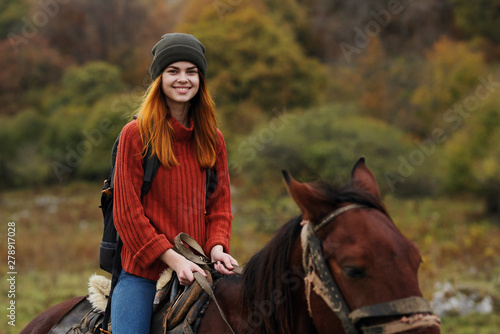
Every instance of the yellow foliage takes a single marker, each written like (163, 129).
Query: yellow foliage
(450, 74)
(374, 73)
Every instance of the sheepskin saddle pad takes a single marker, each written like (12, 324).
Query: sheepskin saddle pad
(175, 306)
(100, 286)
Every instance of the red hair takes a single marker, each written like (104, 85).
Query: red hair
(156, 128)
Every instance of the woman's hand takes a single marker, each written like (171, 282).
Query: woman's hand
(182, 266)
(224, 262)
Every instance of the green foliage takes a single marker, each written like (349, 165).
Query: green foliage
(473, 154)
(80, 141)
(84, 118)
(84, 85)
(471, 324)
(478, 18)
(11, 12)
(71, 134)
(21, 158)
(324, 143)
(100, 130)
(450, 73)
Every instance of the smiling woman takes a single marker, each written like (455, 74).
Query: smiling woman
(176, 123)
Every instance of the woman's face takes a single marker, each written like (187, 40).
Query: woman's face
(180, 82)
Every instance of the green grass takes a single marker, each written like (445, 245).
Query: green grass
(472, 324)
(58, 232)
(57, 242)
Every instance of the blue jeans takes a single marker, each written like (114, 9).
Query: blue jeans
(132, 304)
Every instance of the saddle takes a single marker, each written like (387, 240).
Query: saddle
(186, 304)
(177, 309)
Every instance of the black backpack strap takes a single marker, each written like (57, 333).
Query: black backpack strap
(151, 166)
(211, 182)
(114, 151)
(209, 176)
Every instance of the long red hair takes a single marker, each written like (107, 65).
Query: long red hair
(156, 128)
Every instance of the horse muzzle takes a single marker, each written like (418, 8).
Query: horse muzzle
(411, 314)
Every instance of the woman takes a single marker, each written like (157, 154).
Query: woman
(177, 119)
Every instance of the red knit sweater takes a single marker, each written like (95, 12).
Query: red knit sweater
(175, 202)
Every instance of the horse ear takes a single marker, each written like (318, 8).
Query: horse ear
(303, 194)
(363, 178)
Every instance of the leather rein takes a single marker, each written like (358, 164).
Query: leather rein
(413, 312)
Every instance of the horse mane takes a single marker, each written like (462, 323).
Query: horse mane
(268, 281)
(263, 276)
(349, 194)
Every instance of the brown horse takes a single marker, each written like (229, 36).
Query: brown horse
(340, 267)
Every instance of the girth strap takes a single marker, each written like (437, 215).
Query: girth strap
(202, 280)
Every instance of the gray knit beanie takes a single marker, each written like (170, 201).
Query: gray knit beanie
(177, 47)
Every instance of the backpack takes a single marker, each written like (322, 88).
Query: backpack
(110, 238)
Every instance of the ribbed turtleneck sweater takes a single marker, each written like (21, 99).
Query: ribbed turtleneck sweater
(175, 202)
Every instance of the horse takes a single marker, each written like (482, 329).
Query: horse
(341, 266)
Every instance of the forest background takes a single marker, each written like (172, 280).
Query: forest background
(304, 85)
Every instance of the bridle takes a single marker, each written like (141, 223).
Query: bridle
(414, 312)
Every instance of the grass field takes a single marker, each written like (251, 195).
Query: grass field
(58, 230)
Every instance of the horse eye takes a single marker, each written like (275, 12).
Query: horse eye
(354, 272)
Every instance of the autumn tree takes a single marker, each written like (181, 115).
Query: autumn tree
(450, 73)
(472, 156)
(25, 73)
(120, 32)
(253, 61)
(404, 27)
(381, 85)
(478, 18)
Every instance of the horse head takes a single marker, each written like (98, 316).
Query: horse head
(361, 272)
